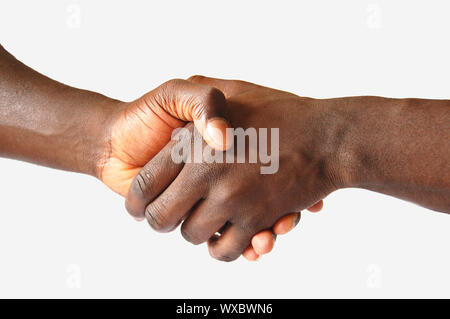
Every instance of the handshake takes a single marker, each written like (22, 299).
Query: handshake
(205, 175)
(233, 194)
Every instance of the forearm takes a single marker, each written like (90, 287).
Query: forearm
(399, 147)
(48, 123)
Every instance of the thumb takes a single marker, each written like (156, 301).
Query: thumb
(202, 104)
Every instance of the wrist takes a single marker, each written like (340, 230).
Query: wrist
(358, 131)
(96, 136)
(338, 141)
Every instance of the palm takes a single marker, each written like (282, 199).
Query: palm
(139, 132)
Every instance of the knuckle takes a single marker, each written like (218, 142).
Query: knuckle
(133, 209)
(155, 217)
(251, 225)
(190, 236)
(223, 256)
(142, 186)
(172, 83)
(147, 176)
(136, 197)
(196, 78)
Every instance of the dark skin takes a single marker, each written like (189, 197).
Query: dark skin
(398, 147)
(49, 123)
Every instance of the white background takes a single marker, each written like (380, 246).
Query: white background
(66, 235)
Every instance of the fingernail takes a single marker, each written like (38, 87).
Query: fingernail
(138, 219)
(216, 129)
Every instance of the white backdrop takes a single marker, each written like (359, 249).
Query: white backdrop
(66, 235)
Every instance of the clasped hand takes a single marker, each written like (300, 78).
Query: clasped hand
(232, 206)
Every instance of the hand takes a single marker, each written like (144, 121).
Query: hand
(86, 132)
(234, 198)
(141, 128)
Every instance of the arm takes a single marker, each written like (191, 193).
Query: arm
(399, 147)
(48, 123)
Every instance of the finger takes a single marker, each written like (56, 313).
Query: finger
(317, 207)
(203, 222)
(173, 204)
(195, 102)
(286, 223)
(230, 245)
(154, 177)
(250, 254)
(263, 242)
(228, 87)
